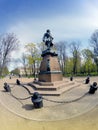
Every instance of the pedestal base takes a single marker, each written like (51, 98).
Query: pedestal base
(50, 77)
(50, 67)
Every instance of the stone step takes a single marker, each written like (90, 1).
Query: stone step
(58, 92)
(41, 88)
(32, 90)
(54, 93)
(51, 88)
(60, 82)
(50, 83)
(43, 83)
(63, 85)
(61, 91)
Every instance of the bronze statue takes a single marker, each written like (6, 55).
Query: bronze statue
(47, 38)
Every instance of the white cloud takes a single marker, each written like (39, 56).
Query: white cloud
(62, 27)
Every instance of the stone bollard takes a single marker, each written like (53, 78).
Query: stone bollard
(7, 87)
(93, 88)
(71, 78)
(37, 100)
(17, 82)
(87, 80)
(19, 76)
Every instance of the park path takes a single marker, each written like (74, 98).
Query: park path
(10, 121)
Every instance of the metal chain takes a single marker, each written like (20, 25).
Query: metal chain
(74, 100)
(55, 101)
(71, 88)
(19, 98)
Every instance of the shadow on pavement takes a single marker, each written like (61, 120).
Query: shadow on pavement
(28, 107)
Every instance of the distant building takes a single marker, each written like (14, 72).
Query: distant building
(25, 71)
(28, 70)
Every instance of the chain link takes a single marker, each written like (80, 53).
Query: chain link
(55, 101)
(74, 100)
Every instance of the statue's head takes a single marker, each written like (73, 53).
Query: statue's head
(48, 31)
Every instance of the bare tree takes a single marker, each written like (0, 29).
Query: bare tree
(74, 48)
(88, 55)
(94, 44)
(8, 43)
(24, 62)
(33, 56)
(61, 49)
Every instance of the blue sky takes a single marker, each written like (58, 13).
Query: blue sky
(67, 19)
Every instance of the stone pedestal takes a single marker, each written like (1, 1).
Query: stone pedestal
(50, 68)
